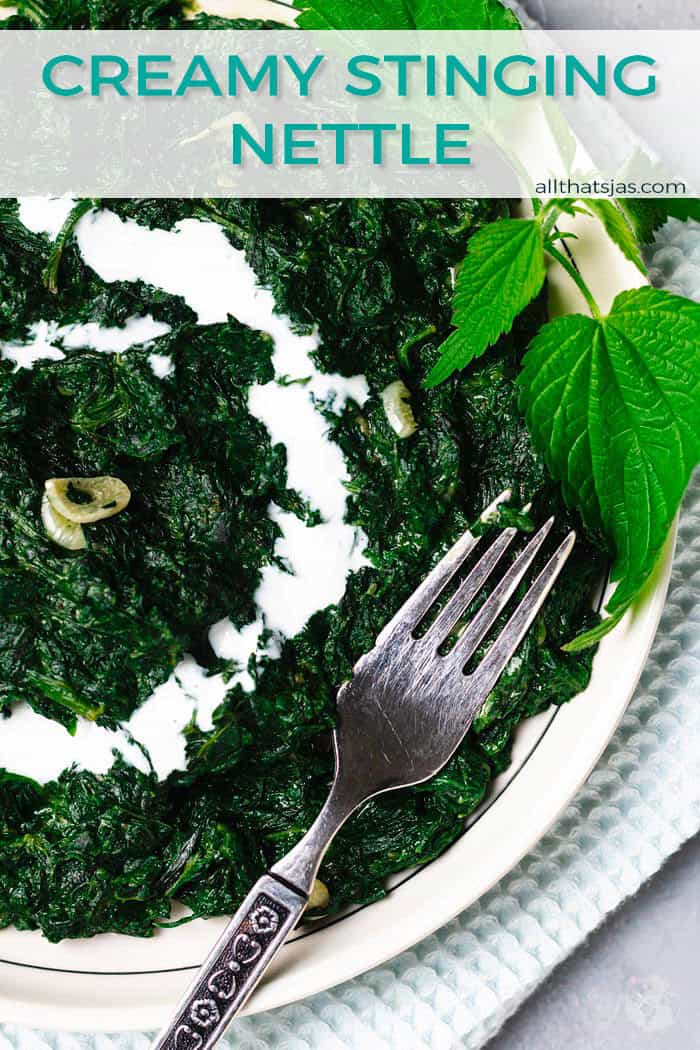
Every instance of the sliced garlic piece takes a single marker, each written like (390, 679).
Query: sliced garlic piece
(63, 532)
(396, 399)
(319, 896)
(84, 500)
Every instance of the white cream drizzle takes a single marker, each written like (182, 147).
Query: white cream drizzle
(196, 261)
(45, 214)
(45, 337)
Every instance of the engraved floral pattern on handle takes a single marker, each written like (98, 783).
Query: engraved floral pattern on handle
(226, 979)
(204, 1013)
(222, 983)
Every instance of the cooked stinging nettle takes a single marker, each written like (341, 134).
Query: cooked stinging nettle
(117, 617)
(84, 500)
(396, 399)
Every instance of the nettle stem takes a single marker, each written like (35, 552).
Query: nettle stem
(548, 216)
(33, 11)
(567, 264)
(82, 207)
(209, 210)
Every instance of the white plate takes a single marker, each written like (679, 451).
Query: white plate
(112, 982)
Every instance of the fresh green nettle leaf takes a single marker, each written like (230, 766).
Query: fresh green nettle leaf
(502, 273)
(613, 405)
(618, 229)
(472, 14)
(404, 14)
(363, 14)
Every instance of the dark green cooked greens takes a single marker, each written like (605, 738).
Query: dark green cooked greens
(91, 633)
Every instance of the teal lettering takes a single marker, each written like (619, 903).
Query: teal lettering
(303, 75)
(573, 67)
(292, 144)
(115, 80)
(145, 74)
(407, 156)
(505, 63)
(430, 76)
(355, 70)
(243, 137)
(377, 131)
(454, 68)
(443, 143)
(47, 75)
(402, 63)
(340, 131)
(623, 64)
(238, 69)
(191, 79)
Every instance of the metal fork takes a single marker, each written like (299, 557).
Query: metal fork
(401, 717)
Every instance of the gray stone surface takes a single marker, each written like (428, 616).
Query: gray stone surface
(616, 14)
(634, 984)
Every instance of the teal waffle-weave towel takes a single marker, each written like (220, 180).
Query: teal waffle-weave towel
(456, 988)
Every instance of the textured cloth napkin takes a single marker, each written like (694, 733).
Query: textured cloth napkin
(455, 989)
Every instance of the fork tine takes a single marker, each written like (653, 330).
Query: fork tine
(473, 633)
(449, 616)
(412, 612)
(492, 666)
(414, 609)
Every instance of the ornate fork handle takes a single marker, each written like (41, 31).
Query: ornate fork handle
(257, 931)
(237, 962)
